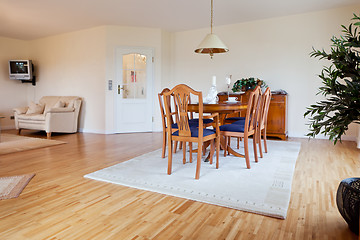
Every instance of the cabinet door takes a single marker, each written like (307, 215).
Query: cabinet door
(277, 115)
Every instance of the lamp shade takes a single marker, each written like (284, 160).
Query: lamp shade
(211, 44)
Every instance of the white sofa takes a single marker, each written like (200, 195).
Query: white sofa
(52, 114)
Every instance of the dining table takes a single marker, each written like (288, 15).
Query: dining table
(222, 108)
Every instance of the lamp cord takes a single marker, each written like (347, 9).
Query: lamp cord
(212, 15)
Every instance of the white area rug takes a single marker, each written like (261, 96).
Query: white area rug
(264, 189)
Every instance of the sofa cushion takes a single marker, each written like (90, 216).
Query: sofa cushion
(59, 104)
(51, 101)
(70, 104)
(33, 116)
(35, 108)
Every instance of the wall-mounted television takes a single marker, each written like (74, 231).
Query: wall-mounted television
(21, 69)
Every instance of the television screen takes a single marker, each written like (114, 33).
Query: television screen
(20, 67)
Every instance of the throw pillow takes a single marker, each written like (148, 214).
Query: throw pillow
(70, 104)
(35, 108)
(59, 104)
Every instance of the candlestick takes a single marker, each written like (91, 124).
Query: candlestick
(214, 81)
(228, 82)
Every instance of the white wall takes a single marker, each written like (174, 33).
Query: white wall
(73, 64)
(13, 93)
(275, 50)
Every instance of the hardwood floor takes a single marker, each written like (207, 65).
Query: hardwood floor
(59, 203)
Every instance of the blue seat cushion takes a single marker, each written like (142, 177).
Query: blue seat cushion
(235, 118)
(191, 124)
(195, 132)
(239, 122)
(232, 128)
(196, 121)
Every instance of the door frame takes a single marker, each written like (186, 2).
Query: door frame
(117, 82)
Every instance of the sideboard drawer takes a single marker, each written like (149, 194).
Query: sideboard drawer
(278, 98)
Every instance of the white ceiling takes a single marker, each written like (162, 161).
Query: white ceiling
(24, 19)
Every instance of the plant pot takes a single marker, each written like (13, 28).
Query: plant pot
(348, 202)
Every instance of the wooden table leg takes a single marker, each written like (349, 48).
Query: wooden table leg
(223, 147)
(231, 151)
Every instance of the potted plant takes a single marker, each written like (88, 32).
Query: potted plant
(332, 116)
(341, 86)
(245, 84)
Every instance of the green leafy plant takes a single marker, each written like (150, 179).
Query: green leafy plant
(340, 86)
(245, 84)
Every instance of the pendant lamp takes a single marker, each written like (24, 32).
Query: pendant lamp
(211, 43)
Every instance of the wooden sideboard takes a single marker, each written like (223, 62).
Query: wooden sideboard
(277, 116)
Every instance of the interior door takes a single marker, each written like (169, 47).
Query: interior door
(134, 99)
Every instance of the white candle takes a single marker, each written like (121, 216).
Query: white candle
(214, 80)
(228, 80)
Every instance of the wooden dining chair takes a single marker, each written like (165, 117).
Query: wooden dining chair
(186, 132)
(233, 117)
(208, 122)
(241, 120)
(244, 130)
(262, 120)
(262, 114)
(172, 119)
(194, 122)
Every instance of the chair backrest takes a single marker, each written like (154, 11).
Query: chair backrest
(182, 94)
(251, 117)
(162, 108)
(264, 108)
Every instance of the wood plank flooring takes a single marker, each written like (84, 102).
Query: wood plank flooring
(59, 203)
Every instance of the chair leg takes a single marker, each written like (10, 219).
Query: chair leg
(238, 143)
(198, 163)
(175, 146)
(229, 144)
(246, 149)
(217, 151)
(48, 135)
(19, 131)
(169, 156)
(184, 152)
(255, 148)
(212, 150)
(191, 149)
(264, 137)
(226, 147)
(258, 137)
(163, 145)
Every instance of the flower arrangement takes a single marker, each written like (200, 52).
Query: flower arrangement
(245, 84)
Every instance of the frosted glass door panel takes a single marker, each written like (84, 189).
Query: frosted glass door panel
(140, 91)
(140, 62)
(134, 76)
(128, 61)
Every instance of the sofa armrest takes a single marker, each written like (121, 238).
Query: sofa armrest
(60, 110)
(20, 110)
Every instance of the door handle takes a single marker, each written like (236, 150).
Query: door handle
(120, 88)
